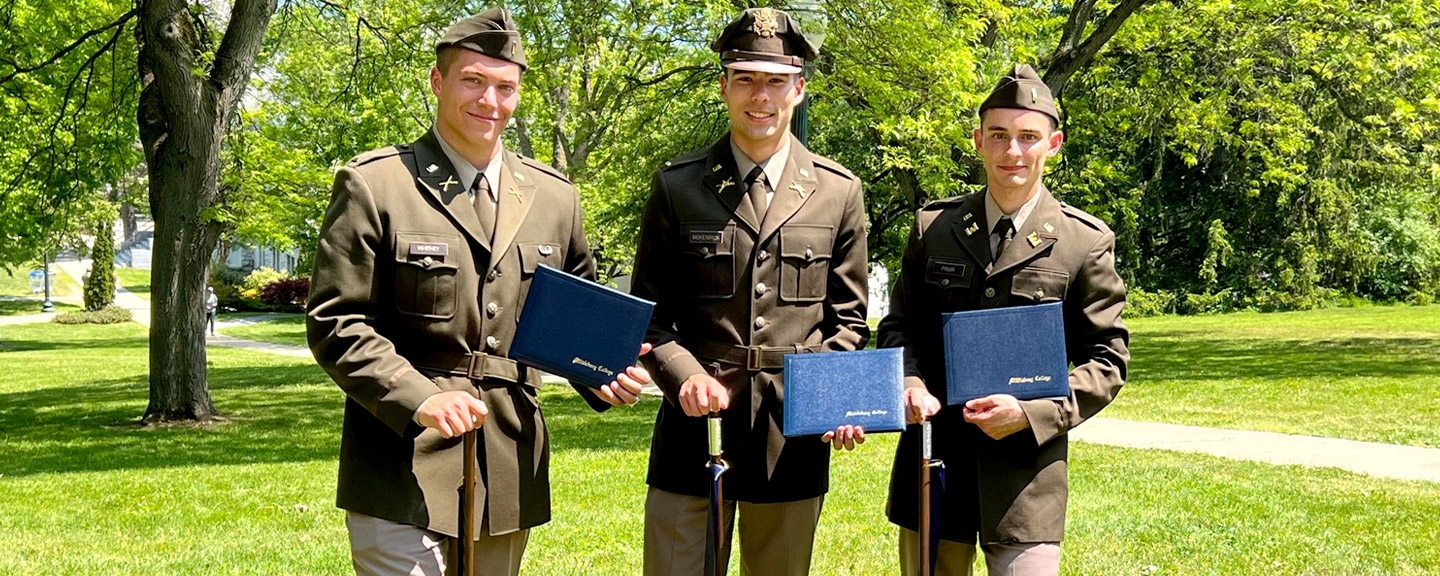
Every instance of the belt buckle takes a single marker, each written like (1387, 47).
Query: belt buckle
(472, 372)
(753, 356)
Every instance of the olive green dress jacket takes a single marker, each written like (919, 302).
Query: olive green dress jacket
(406, 288)
(735, 291)
(1014, 489)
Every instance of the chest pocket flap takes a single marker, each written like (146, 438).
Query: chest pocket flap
(805, 261)
(425, 270)
(1040, 285)
(707, 252)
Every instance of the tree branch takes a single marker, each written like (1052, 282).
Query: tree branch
(18, 70)
(1065, 62)
(243, 35)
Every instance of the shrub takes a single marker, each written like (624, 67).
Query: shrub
(100, 283)
(108, 315)
(1140, 303)
(286, 293)
(262, 277)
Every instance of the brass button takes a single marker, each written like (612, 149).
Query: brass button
(989, 292)
(760, 322)
(705, 251)
(492, 342)
(760, 289)
(1039, 293)
(944, 281)
(764, 255)
(492, 309)
(492, 276)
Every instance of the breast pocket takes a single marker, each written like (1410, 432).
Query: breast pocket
(707, 257)
(532, 255)
(804, 261)
(425, 275)
(1039, 285)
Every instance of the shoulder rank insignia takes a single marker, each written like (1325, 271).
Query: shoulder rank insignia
(972, 229)
(445, 186)
(1033, 239)
(431, 168)
(726, 183)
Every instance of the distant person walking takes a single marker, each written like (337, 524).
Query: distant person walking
(211, 304)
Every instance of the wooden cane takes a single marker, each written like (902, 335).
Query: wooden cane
(925, 497)
(466, 561)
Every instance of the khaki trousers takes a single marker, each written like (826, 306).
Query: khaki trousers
(384, 548)
(775, 539)
(957, 558)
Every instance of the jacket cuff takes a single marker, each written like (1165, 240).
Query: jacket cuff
(914, 382)
(398, 406)
(1047, 419)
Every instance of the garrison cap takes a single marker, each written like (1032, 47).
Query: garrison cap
(491, 33)
(764, 40)
(1022, 88)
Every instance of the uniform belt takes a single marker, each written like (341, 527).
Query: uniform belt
(480, 366)
(751, 357)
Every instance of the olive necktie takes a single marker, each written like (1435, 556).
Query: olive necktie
(1005, 229)
(484, 206)
(756, 180)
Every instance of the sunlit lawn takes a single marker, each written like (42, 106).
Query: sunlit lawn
(288, 330)
(1369, 373)
(136, 280)
(16, 282)
(84, 492)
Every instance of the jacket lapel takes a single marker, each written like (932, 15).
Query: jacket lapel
(1033, 237)
(437, 177)
(797, 184)
(970, 230)
(517, 194)
(722, 179)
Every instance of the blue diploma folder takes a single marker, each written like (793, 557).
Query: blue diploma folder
(579, 330)
(1018, 351)
(826, 390)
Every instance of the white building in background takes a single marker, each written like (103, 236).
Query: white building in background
(879, 291)
(136, 252)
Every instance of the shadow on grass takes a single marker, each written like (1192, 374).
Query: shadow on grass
(574, 425)
(272, 414)
(1183, 356)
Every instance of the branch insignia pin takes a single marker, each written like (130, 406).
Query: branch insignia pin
(1033, 239)
(798, 188)
(519, 197)
(445, 186)
(971, 230)
(726, 183)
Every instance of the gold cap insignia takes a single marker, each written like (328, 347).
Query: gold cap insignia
(1034, 94)
(1033, 239)
(765, 23)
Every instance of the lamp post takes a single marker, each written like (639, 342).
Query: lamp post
(811, 15)
(47, 305)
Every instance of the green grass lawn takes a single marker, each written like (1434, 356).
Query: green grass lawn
(31, 306)
(16, 282)
(1370, 373)
(135, 280)
(82, 491)
(288, 330)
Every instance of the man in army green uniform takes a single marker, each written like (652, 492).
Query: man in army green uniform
(1013, 244)
(751, 249)
(425, 258)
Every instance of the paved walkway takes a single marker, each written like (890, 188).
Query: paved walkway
(1375, 459)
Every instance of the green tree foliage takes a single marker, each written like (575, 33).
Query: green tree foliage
(1282, 150)
(100, 284)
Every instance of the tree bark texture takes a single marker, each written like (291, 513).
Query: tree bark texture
(183, 117)
(1073, 54)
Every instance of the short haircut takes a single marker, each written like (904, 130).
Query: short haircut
(445, 58)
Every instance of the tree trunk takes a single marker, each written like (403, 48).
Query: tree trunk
(183, 120)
